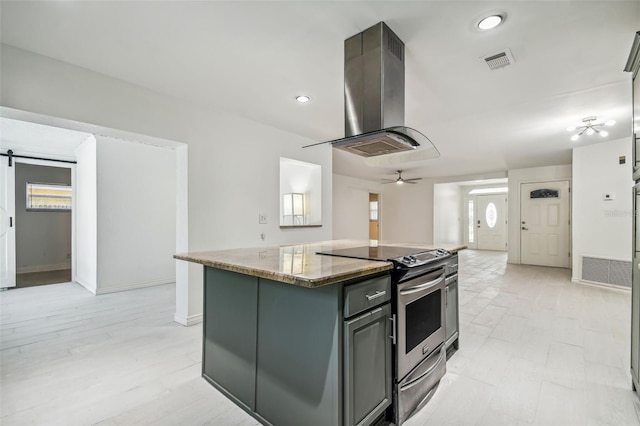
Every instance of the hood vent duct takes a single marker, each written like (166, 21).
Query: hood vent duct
(374, 98)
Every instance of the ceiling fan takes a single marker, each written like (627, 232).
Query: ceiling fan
(400, 180)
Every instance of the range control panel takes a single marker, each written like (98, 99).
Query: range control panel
(422, 258)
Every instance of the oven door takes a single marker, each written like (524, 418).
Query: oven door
(420, 316)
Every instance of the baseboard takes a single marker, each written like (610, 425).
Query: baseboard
(133, 286)
(44, 268)
(85, 284)
(601, 285)
(188, 321)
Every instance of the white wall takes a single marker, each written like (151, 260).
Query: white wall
(447, 210)
(43, 239)
(86, 216)
(351, 207)
(601, 228)
(407, 213)
(516, 178)
(136, 214)
(233, 172)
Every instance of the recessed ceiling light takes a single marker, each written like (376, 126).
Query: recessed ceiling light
(490, 22)
(303, 98)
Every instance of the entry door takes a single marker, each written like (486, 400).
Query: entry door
(544, 226)
(7, 225)
(491, 222)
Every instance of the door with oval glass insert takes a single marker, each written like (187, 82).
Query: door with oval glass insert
(491, 222)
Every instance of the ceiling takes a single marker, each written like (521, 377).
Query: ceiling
(253, 58)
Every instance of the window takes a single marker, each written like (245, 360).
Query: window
(373, 210)
(477, 191)
(471, 220)
(545, 193)
(491, 215)
(48, 197)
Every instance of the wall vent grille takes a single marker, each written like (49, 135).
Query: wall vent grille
(499, 60)
(606, 271)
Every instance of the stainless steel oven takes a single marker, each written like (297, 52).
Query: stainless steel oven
(420, 319)
(420, 353)
(418, 306)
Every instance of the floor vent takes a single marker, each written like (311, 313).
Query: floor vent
(499, 60)
(606, 271)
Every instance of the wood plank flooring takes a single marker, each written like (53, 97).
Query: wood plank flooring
(71, 358)
(535, 349)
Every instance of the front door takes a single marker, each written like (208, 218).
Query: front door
(491, 222)
(7, 225)
(544, 226)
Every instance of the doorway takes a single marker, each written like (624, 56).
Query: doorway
(492, 222)
(374, 217)
(544, 226)
(36, 243)
(42, 223)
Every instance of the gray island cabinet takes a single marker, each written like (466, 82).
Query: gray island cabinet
(308, 347)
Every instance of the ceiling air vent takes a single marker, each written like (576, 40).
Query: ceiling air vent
(499, 60)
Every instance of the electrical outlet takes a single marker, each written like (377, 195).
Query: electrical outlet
(262, 218)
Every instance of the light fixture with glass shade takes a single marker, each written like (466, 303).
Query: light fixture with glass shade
(491, 21)
(293, 209)
(589, 127)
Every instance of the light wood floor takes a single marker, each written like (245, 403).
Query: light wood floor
(534, 349)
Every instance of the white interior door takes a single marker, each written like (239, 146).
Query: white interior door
(544, 226)
(7, 227)
(491, 222)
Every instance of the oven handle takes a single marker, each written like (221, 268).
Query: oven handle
(393, 329)
(422, 376)
(422, 287)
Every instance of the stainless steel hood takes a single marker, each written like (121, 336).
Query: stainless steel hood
(374, 99)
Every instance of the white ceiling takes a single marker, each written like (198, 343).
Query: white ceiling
(252, 58)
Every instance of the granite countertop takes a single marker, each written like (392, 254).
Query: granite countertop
(299, 264)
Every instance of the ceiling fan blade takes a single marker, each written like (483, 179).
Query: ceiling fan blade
(412, 179)
(409, 181)
(391, 181)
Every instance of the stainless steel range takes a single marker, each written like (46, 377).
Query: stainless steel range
(418, 282)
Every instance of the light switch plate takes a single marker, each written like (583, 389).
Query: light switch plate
(262, 218)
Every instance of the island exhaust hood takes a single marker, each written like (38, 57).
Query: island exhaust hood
(374, 100)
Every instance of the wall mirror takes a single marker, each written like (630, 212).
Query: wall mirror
(300, 194)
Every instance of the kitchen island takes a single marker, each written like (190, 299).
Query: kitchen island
(293, 337)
